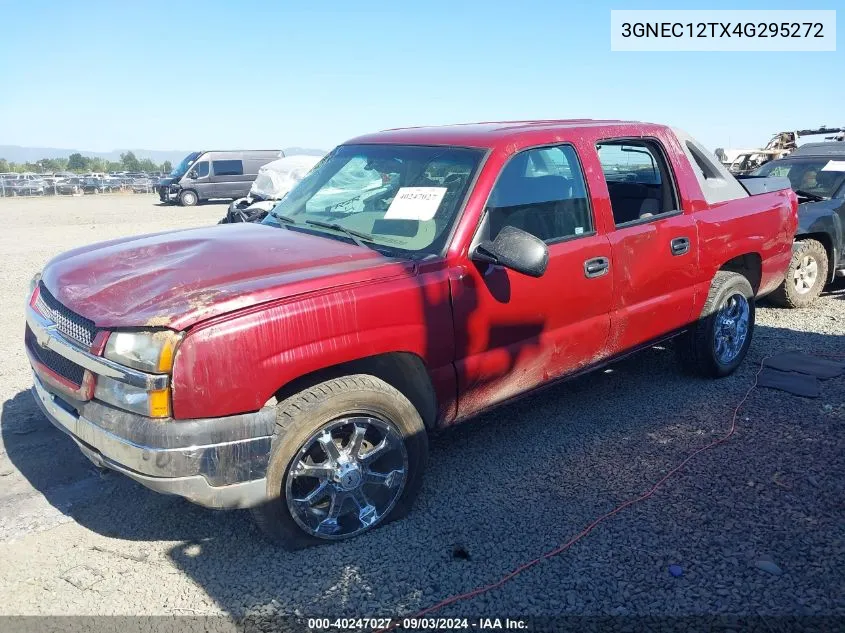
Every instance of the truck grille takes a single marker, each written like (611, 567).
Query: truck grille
(56, 362)
(67, 322)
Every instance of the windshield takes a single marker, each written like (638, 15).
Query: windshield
(182, 168)
(819, 176)
(403, 197)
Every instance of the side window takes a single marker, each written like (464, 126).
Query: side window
(228, 167)
(541, 191)
(705, 166)
(201, 169)
(638, 180)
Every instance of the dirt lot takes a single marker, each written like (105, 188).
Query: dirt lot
(757, 526)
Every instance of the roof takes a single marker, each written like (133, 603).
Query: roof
(487, 134)
(831, 148)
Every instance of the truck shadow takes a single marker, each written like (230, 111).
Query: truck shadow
(489, 477)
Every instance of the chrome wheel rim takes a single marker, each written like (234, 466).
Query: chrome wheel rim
(346, 477)
(806, 274)
(731, 328)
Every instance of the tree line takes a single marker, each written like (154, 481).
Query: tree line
(80, 164)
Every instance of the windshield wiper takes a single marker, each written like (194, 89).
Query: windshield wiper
(355, 236)
(810, 196)
(283, 218)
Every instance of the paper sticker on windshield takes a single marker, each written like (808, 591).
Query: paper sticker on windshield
(834, 165)
(415, 203)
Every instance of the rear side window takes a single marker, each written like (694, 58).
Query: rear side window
(228, 167)
(541, 191)
(638, 180)
(705, 166)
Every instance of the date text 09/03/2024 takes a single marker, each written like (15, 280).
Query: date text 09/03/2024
(416, 624)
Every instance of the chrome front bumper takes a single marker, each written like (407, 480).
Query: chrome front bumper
(214, 462)
(223, 474)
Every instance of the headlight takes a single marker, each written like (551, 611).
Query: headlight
(150, 350)
(154, 404)
(33, 284)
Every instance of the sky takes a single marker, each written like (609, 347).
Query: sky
(191, 75)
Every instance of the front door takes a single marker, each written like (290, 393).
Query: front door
(197, 179)
(515, 332)
(654, 245)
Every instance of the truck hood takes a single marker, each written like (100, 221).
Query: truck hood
(179, 278)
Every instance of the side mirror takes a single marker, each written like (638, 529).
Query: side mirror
(193, 174)
(515, 249)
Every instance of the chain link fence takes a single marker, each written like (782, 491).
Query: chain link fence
(13, 185)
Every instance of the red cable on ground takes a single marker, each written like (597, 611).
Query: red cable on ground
(562, 548)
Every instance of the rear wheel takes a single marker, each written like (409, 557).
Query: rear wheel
(718, 342)
(806, 276)
(348, 455)
(188, 198)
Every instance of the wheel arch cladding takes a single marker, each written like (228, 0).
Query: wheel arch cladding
(825, 239)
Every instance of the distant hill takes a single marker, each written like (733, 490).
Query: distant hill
(18, 154)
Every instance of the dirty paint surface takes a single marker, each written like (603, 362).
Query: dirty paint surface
(180, 278)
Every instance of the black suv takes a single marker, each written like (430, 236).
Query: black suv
(817, 174)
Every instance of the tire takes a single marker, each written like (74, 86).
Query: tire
(188, 198)
(699, 349)
(325, 408)
(806, 276)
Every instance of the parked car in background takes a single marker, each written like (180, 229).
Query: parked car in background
(6, 181)
(296, 367)
(69, 186)
(143, 184)
(816, 172)
(218, 174)
(94, 185)
(112, 184)
(28, 184)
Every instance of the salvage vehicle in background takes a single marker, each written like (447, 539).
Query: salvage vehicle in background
(745, 161)
(214, 175)
(7, 179)
(93, 184)
(69, 186)
(816, 172)
(142, 184)
(27, 184)
(295, 366)
(273, 182)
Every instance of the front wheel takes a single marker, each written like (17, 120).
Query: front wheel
(717, 343)
(188, 198)
(347, 456)
(805, 278)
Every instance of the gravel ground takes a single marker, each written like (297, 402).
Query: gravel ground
(757, 526)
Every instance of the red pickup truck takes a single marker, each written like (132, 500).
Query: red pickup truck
(413, 279)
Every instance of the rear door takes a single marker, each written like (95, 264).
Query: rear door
(514, 332)
(654, 243)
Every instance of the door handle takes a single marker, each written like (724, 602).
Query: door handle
(596, 267)
(679, 246)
